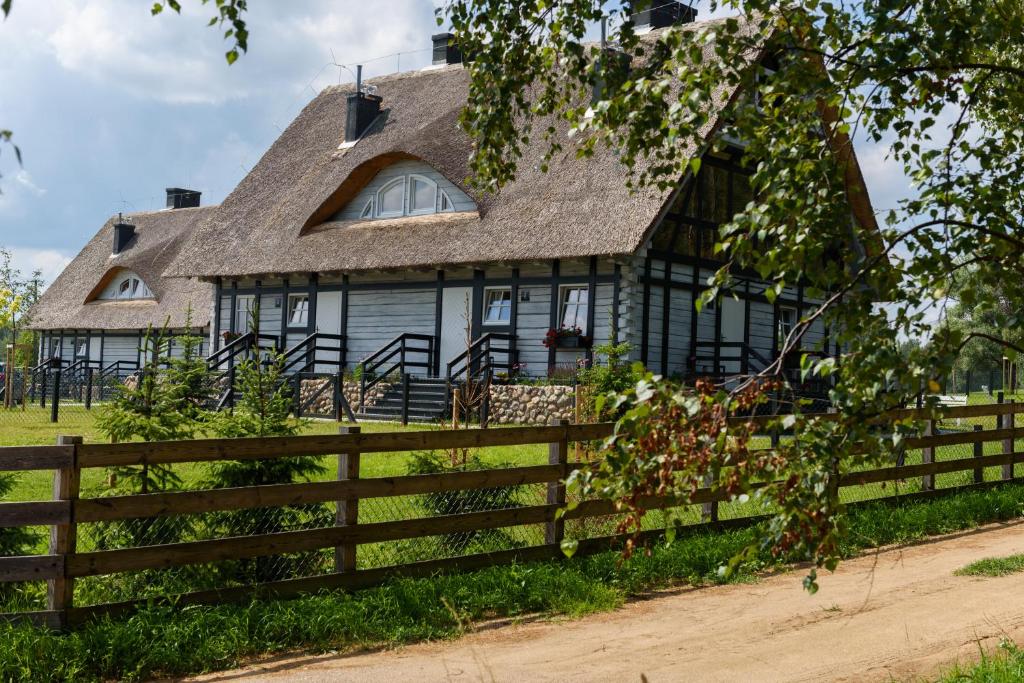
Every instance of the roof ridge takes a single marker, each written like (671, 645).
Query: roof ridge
(154, 212)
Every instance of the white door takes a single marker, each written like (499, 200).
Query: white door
(456, 320)
(734, 324)
(328, 321)
(94, 350)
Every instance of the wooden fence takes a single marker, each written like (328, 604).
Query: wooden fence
(65, 563)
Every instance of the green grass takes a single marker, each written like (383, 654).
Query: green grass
(32, 427)
(170, 641)
(993, 566)
(1006, 666)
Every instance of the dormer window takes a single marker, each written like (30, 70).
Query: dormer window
(407, 195)
(127, 287)
(401, 189)
(133, 288)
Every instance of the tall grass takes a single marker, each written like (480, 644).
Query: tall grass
(172, 641)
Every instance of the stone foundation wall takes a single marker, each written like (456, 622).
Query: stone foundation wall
(528, 404)
(324, 403)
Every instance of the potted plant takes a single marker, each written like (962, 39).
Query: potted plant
(229, 336)
(565, 338)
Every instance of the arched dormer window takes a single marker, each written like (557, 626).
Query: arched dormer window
(405, 188)
(123, 285)
(131, 287)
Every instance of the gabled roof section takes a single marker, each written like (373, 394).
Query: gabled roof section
(70, 302)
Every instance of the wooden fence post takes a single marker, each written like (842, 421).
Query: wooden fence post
(405, 399)
(558, 454)
(928, 456)
(979, 452)
(60, 592)
(709, 511)
(347, 509)
(1008, 423)
(55, 398)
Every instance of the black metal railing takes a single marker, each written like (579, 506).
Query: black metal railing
(222, 363)
(726, 358)
(485, 357)
(400, 355)
(317, 350)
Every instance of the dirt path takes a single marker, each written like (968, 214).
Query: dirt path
(897, 614)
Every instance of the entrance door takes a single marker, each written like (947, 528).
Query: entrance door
(328, 321)
(734, 325)
(456, 321)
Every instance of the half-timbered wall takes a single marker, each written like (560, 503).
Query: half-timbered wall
(736, 333)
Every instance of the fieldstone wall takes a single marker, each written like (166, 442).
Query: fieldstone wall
(529, 404)
(324, 403)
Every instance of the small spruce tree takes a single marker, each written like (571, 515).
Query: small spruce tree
(263, 409)
(146, 410)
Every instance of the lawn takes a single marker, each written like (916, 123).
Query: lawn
(32, 427)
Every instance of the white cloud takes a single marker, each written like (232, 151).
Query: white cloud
(179, 60)
(24, 178)
(50, 262)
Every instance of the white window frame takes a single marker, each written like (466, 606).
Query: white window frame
(368, 210)
(783, 328)
(401, 182)
(242, 326)
(409, 195)
(488, 291)
(289, 311)
(563, 304)
(82, 350)
(443, 199)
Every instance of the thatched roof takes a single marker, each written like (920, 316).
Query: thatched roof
(273, 221)
(278, 219)
(69, 303)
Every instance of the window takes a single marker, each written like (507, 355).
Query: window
(83, 349)
(497, 306)
(573, 310)
(391, 199)
(410, 194)
(422, 195)
(244, 306)
(132, 288)
(786, 321)
(298, 310)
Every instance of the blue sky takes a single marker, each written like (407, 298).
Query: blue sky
(111, 105)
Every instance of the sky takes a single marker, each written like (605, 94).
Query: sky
(110, 105)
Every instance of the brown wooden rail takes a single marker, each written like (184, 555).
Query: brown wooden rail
(64, 563)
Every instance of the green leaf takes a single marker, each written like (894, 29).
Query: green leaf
(569, 547)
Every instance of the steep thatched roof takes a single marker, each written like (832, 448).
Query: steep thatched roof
(278, 219)
(69, 303)
(273, 221)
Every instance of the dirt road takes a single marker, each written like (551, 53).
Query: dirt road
(899, 614)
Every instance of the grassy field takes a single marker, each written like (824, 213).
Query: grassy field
(32, 427)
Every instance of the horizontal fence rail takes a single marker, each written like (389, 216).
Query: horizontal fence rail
(353, 531)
